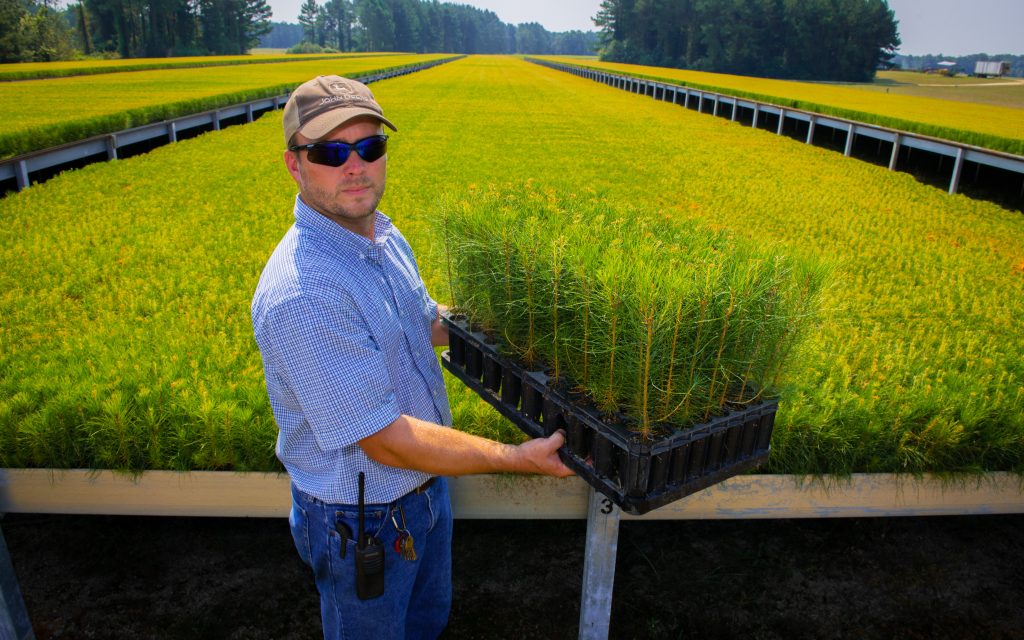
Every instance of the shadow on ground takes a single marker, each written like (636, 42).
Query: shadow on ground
(177, 578)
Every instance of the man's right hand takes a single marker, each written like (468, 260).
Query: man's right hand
(540, 455)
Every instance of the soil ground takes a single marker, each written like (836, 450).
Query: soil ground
(149, 577)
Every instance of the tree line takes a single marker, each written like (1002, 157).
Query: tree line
(800, 39)
(33, 30)
(429, 26)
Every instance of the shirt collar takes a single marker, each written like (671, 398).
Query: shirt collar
(340, 237)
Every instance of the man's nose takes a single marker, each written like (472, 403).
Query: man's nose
(353, 163)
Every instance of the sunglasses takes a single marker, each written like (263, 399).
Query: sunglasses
(335, 154)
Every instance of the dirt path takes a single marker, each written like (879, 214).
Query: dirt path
(144, 577)
(1013, 83)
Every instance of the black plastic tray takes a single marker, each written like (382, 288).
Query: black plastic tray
(636, 475)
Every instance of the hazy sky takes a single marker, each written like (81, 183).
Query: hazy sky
(951, 27)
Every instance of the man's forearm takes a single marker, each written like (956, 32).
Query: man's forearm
(410, 443)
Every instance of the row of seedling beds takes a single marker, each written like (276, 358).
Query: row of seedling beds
(656, 344)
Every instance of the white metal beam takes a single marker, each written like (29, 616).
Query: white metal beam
(224, 493)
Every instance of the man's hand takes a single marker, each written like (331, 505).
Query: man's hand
(410, 443)
(540, 455)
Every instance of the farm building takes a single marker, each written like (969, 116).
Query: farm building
(991, 68)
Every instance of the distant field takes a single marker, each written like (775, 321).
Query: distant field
(921, 109)
(38, 70)
(1000, 92)
(44, 113)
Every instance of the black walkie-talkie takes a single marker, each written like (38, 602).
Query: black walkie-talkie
(369, 556)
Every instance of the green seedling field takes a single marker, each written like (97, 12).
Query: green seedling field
(985, 125)
(45, 113)
(14, 71)
(124, 314)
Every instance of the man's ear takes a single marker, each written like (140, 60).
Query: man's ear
(291, 161)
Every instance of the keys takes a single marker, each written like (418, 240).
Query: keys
(404, 543)
(404, 546)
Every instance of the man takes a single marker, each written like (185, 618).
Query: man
(346, 330)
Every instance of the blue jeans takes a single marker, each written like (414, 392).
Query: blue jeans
(417, 594)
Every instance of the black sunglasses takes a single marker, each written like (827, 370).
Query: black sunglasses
(335, 154)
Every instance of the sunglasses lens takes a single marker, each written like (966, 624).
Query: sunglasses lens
(372, 149)
(332, 154)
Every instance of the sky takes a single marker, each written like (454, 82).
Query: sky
(949, 27)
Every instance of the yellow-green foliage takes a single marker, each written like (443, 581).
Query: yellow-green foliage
(35, 70)
(44, 113)
(985, 125)
(124, 323)
(660, 319)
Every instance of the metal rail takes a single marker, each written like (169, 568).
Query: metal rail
(106, 146)
(677, 94)
(234, 494)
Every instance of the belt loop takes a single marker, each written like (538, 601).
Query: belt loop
(425, 486)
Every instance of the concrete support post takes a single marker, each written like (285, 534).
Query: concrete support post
(216, 120)
(849, 141)
(810, 130)
(248, 112)
(112, 146)
(715, 110)
(757, 112)
(599, 567)
(782, 120)
(172, 131)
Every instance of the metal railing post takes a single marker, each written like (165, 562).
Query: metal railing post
(14, 620)
(958, 167)
(599, 567)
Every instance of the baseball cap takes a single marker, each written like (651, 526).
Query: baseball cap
(318, 106)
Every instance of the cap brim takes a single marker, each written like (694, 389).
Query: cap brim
(323, 124)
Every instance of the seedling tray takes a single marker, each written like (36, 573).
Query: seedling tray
(637, 475)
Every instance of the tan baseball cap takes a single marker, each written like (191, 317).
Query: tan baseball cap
(317, 107)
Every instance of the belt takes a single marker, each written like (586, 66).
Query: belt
(423, 487)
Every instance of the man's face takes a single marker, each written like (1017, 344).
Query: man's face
(348, 194)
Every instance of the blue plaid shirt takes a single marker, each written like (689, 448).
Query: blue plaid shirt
(343, 326)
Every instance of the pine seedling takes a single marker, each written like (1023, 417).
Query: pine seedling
(558, 247)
